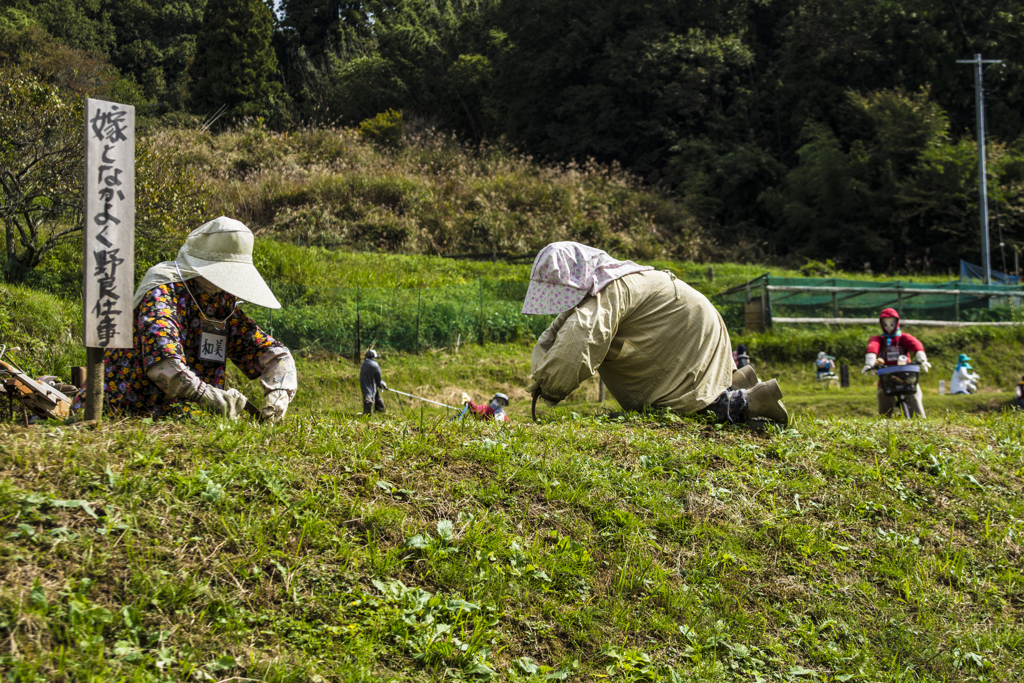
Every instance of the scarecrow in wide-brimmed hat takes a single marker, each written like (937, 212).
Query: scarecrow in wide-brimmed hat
(188, 324)
(657, 342)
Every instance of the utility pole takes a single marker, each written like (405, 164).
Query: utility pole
(979, 102)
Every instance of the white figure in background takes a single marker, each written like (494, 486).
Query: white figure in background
(963, 381)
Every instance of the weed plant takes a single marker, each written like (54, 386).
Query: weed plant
(404, 319)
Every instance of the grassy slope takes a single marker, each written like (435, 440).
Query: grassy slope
(852, 546)
(47, 326)
(46, 330)
(320, 267)
(862, 550)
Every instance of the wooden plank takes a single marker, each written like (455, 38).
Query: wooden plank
(753, 316)
(109, 235)
(874, 321)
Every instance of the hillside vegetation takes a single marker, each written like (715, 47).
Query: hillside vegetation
(319, 267)
(318, 287)
(790, 130)
(425, 193)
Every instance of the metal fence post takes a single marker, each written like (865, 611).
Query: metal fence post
(357, 340)
(419, 302)
(481, 281)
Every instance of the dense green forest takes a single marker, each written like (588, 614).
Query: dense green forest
(789, 129)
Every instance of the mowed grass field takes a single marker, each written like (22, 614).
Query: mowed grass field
(413, 547)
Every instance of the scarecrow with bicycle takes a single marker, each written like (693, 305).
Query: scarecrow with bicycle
(895, 347)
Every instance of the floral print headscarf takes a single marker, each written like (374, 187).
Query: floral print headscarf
(566, 272)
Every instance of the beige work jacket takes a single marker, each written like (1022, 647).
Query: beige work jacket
(657, 342)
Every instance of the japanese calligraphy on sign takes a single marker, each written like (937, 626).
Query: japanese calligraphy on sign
(108, 278)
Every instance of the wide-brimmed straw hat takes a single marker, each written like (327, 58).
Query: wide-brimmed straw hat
(221, 252)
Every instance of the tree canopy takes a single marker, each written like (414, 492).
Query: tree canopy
(42, 161)
(792, 129)
(235, 66)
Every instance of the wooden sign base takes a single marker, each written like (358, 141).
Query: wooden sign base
(94, 383)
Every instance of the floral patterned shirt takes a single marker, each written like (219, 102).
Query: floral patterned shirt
(167, 326)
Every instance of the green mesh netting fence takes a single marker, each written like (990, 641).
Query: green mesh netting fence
(834, 299)
(346, 319)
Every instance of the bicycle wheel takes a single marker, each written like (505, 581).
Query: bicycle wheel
(905, 408)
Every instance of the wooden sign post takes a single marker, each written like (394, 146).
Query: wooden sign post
(108, 280)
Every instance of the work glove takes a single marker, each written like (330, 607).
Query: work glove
(869, 363)
(534, 386)
(465, 398)
(227, 403)
(922, 360)
(275, 405)
(384, 385)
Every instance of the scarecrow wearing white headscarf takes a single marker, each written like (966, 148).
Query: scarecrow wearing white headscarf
(187, 324)
(963, 380)
(657, 341)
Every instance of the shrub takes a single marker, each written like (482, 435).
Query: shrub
(818, 269)
(386, 129)
(400, 319)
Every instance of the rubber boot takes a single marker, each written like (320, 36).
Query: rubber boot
(745, 378)
(765, 400)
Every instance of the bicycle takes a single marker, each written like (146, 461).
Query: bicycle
(900, 381)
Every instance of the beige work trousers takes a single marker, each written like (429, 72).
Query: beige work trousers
(886, 404)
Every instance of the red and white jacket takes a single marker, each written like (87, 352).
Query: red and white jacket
(889, 347)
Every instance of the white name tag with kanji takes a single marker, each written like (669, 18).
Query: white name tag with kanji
(213, 345)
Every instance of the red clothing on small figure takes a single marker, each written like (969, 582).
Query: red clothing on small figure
(902, 344)
(486, 412)
(889, 347)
